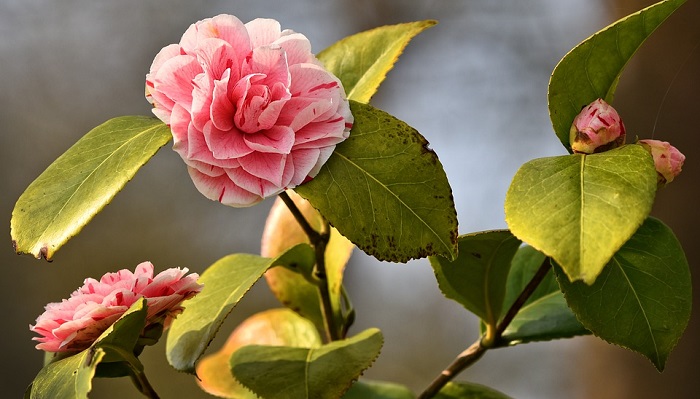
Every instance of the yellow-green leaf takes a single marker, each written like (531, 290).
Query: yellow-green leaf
(77, 185)
(592, 69)
(361, 61)
(580, 209)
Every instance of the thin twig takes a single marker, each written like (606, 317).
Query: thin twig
(523, 297)
(464, 360)
(313, 235)
(478, 348)
(319, 240)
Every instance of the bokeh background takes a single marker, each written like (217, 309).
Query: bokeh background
(475, 86)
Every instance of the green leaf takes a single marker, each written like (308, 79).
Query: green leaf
(282, 231)
(545, 315)
(366, 389)
(225, 283)
(463, 390)
(386, 191)
(77, 185)
(296, 373)
(361, 61)
(642, 299)
(271, 327)
(579, 209)
(71, 376)
(124, 333)
(593, 68)
(67, 378)
(477, 278)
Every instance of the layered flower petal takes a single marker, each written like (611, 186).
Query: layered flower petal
(73, 324)
(252, 110)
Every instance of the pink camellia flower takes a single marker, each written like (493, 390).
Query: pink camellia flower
(667, 159)
(251, 109)
(596, 128)
(73, 324)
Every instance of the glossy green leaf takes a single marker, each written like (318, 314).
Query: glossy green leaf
(296, 373)
(642, 299)
(281, 327)
(580, 209)
(282, 231)
(366, 389)
(523, 267)
(71, 377)
(464, 390)
(361, 61)
(386, 191)
(124, 333)
(77, 185)
(477, 278)
(593, 68)
(225, 283)
(545, 315)
(68, 378)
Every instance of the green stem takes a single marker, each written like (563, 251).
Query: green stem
(319, 240)
(522, 298)
(138, 377)
(472, 354)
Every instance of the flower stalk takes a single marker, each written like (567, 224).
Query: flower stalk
(474, 352)
(319, 241)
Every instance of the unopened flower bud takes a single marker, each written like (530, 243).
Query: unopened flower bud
(597, 128)
(667, 159)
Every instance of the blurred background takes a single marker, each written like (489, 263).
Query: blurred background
(475, 86)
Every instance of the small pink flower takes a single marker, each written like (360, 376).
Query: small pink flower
(73, 324)
(667, 159)
(596, 128)
(251, 109)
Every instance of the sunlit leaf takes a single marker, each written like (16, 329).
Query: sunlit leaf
(361, 61)
(642, 299)
(545, 315)
(593, 68)
(71, 377)
(366, 389)
(386, 191)
(225, 282)
(477, 278)
(281, 232)
(296, 373)
(280, 327)
(580, 209)
(77, 185)
(68, 378)
(464, 390)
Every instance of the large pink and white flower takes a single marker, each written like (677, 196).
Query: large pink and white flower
(73, 324)
(251, 109)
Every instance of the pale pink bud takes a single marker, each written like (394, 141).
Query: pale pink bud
(597, 128)
(667, 159)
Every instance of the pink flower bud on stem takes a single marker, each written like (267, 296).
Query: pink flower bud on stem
(667, 159)
(597, 128)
